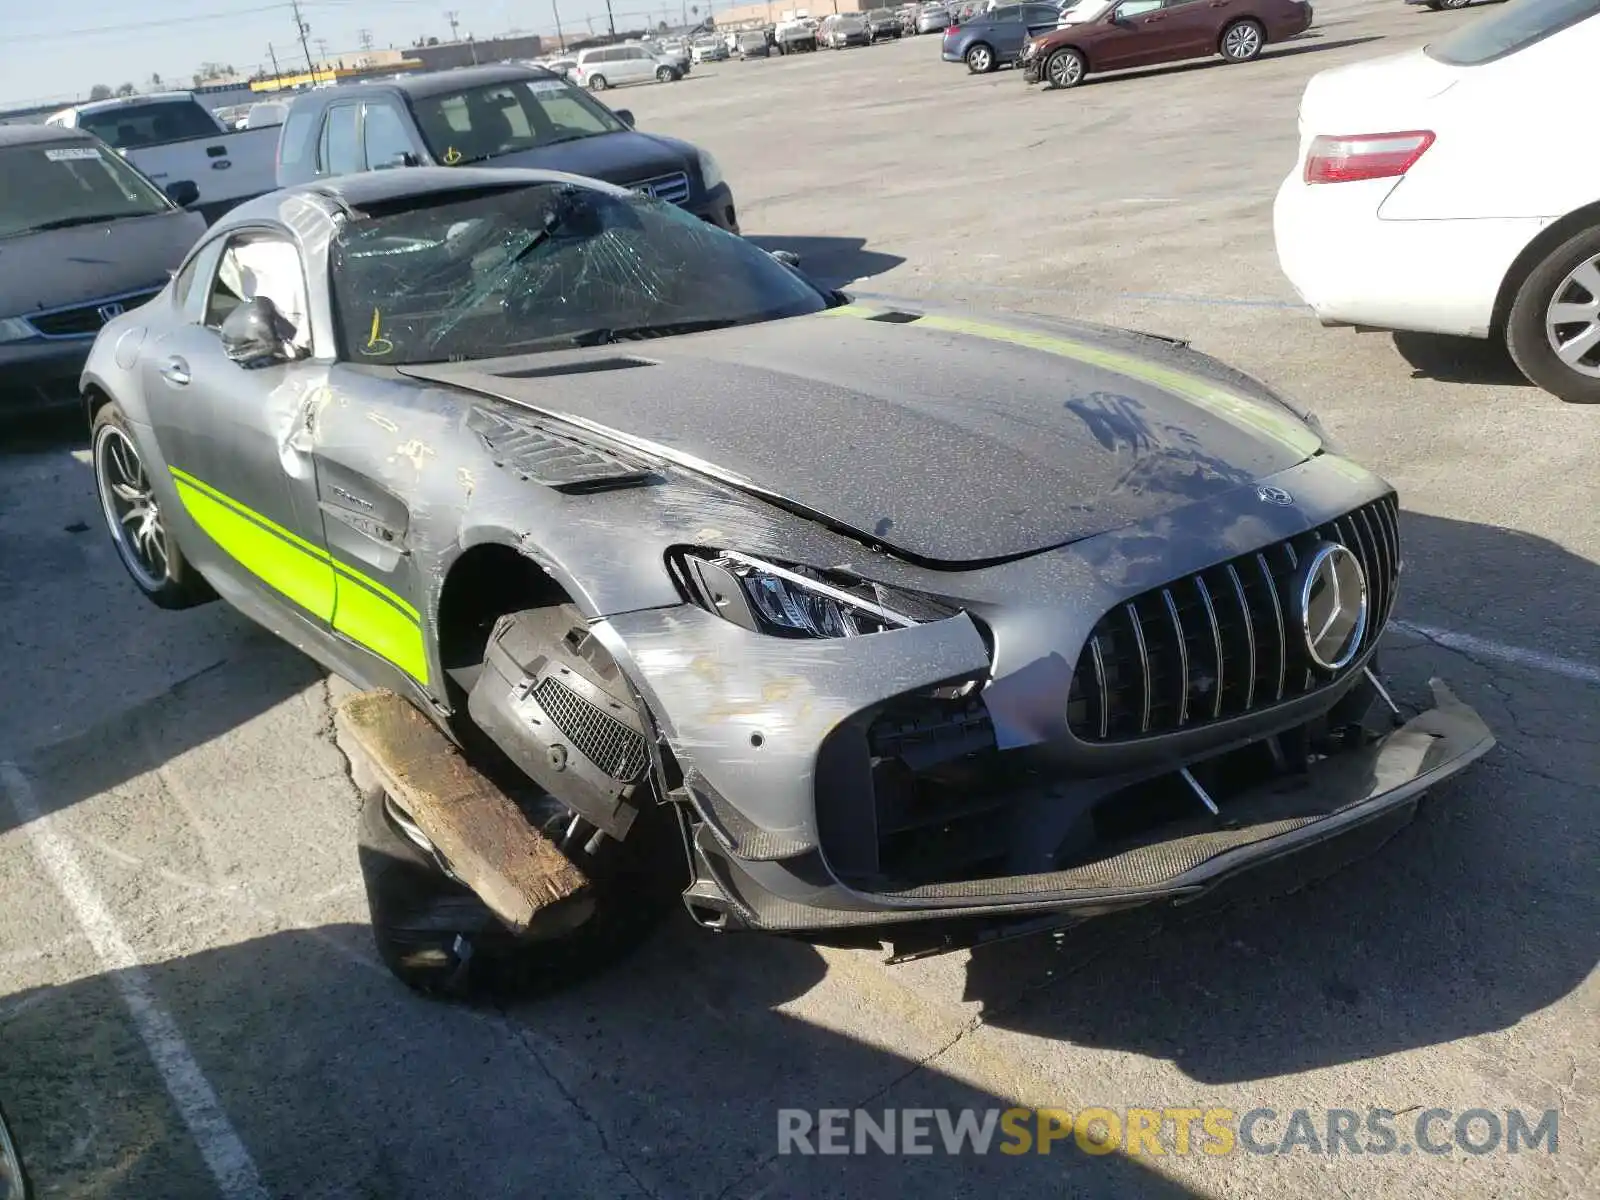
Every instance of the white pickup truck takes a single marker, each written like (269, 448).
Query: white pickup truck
(172, 138)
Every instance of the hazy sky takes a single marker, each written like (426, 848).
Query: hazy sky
(59, 51)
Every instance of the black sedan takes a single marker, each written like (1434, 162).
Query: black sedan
(824, 612)
(506, 116)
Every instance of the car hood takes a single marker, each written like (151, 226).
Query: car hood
(63, 267)
(946, 439)
(614, 157)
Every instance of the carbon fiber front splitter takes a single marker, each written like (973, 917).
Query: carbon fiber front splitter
(1340, 793)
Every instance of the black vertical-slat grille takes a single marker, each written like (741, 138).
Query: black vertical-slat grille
(1226, 641)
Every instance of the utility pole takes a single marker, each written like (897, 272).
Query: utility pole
(611, 21)
(454, 21)
(273, 54)
(365, 38)
(322, 47)
(304, 29)
(560, 38)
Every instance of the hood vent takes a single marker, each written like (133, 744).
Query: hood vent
(586, 366)
(533, 451)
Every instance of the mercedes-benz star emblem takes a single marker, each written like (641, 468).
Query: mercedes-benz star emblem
(1273, 495)
(1333, 606)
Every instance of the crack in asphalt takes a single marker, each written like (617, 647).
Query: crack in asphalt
(522, 1035)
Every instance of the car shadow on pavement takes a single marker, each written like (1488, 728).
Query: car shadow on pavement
(1460, 923)
(1459, 359)
(1298, 45)
(662, 1081)
(831, 262)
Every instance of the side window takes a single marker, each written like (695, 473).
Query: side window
(340, 153)
(1041, 14)
(1129, 9)
(385, 136)
(1008, 12)
(638, 53)
(292, 141)
(267, 265)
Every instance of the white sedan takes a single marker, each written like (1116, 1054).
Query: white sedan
(1451, 190)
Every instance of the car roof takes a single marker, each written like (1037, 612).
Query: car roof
(33, 135)
(434, 83)
(116, 102)
(367, 188)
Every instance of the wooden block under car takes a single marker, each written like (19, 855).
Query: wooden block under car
(480, 831)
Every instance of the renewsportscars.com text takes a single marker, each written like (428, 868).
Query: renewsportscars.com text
(1160, 1131)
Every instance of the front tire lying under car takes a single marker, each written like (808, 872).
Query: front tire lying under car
(438, 938)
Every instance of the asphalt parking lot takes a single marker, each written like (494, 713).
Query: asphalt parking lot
(189, 1002)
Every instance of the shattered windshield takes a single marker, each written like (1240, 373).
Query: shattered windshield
(547, 266)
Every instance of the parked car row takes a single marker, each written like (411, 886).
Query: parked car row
(89, 235)
(1061, 44)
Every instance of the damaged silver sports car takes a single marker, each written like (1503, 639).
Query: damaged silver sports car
(662, 570)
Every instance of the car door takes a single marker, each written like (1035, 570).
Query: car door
(1193, 27)
(1032, 19)
(234, 441)
(641, 65)
(1136, 33)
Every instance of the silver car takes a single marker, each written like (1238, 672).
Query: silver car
(931, 18)
(820, 613)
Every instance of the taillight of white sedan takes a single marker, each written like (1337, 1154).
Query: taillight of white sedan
(1432, 193)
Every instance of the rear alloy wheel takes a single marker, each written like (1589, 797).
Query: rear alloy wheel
(597, 83)
(134, 519)
(1454, 3)
(665, 75)
(1242, 41)
(1064, 69)
(980, 59)
(1553, 330)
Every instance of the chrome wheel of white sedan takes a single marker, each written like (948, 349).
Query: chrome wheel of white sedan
(1572, 319)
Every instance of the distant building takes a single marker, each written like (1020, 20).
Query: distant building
(757, 16)
(465, 54)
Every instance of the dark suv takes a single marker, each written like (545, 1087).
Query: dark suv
(500, 116)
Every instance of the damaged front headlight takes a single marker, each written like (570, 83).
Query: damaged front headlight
(797, 602)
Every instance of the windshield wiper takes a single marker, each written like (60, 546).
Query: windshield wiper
(69, 222)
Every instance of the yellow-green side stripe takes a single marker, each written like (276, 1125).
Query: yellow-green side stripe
(364, 610)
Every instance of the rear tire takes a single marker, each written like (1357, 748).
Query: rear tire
(597, 83)
(1242, 42)
(1566, 283)
(139, 530)
(980, 59)
(666, 75)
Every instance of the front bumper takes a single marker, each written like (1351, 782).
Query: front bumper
(1339, 796)
(716, 207)
(41, 375)
(1032, 68)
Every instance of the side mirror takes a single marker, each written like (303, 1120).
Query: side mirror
(183, 193)
(625, 115)
(404, 159)
(256, 335)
